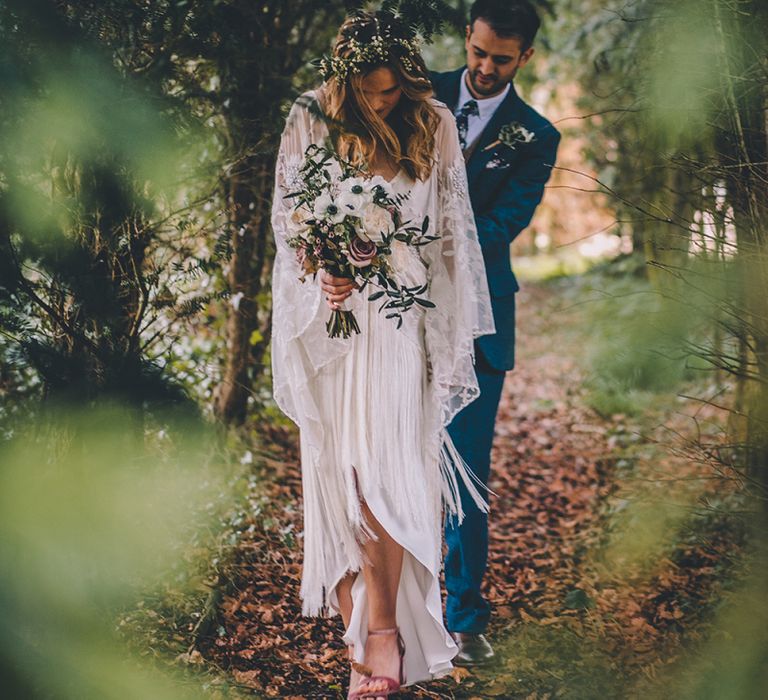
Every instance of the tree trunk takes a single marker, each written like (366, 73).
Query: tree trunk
(250, 196)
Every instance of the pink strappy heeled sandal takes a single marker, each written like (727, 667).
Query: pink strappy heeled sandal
(355, 668)
(393, 686)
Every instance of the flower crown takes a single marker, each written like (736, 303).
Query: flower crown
(371, 50)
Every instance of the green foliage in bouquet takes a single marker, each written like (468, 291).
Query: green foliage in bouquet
(346, 223)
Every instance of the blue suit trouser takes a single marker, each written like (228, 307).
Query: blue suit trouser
(472, 433)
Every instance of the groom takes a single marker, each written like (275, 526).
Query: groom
(509, 151)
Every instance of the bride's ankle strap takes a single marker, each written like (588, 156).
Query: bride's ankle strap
(389, 630)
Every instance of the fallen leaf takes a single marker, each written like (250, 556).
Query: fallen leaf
(459, 673)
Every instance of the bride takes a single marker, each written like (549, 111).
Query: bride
(378, 469)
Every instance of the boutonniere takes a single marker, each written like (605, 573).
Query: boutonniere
(511, 134)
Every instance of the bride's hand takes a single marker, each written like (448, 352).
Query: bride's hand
(336, 289)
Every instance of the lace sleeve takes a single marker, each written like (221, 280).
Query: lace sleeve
(287, 288)
(458, 284)
(300, 343)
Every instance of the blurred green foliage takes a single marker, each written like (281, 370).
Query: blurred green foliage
(91, 515)
(636, 345)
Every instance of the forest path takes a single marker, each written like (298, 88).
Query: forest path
(570, 617)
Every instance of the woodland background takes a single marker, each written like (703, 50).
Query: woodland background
(149, 499)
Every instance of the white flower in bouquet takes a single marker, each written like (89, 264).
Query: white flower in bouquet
(379, 181)
(297, 223)
(328, 210)
(377, 221)
(354, 196)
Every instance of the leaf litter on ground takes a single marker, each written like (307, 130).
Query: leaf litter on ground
(577, 612)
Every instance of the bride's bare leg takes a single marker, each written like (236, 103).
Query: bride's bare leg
(382, 577)
(344, 593)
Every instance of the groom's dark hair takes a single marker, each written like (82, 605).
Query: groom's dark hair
(508, 18)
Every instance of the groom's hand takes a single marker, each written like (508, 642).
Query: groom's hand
(336, 289)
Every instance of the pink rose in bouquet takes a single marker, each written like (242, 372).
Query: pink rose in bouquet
(361, 252)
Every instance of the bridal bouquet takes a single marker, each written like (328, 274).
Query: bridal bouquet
(346, 226)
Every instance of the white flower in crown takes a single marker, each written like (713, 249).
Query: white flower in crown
(512, 134)
(370, 50)
(328, 210)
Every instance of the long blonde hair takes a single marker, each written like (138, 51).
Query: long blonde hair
(409, 137)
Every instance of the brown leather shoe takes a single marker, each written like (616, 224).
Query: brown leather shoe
(474, 649)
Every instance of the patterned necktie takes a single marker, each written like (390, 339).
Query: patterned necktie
(462, 120)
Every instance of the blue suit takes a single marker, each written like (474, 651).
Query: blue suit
(506, 185)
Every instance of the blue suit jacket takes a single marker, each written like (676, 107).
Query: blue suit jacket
(504, 199)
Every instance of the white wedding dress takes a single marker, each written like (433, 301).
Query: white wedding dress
(372, 408)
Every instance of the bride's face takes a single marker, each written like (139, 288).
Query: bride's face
(381, 90)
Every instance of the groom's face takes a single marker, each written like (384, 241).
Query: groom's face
(492, 60)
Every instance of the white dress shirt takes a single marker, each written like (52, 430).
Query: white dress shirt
(486, 106)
